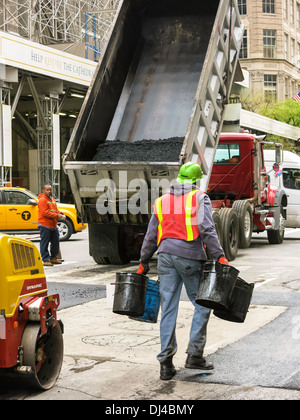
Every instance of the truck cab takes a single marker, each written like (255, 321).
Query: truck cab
(233, 170)
(242, 196)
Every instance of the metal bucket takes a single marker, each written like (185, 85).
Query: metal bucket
(152, 303)
(216, 285)
(239, 302)
(130, 294)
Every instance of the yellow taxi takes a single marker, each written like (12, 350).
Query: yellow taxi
(19, 214)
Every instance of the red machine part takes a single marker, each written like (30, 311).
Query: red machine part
(39, 309)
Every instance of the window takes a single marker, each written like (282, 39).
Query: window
(227, 153)
(244, 46)
(292, 51)
(242, 7)
(269, 41)
(16, 197)
(270, 87)
(268, 6)
(285, 9)
(286, 46)
(292, 11)
(291, 178)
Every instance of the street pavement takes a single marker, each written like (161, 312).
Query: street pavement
(112, 358)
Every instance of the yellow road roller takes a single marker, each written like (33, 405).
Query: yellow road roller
(31, 336)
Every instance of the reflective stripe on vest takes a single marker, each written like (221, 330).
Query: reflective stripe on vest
(188, 216)
(190, 234)
(160, 219)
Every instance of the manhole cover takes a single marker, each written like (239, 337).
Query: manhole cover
(122, 340)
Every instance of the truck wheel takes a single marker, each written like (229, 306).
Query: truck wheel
(277, 236)
(101, 260)
(65, 230)
(218, 226)
(106, 243)
(230, 232)
(245, 216)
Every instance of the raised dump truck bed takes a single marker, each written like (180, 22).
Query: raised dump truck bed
(156, 101)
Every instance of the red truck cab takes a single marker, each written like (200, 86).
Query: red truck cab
(243, 199)
(232, 175)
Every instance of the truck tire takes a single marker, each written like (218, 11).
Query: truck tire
(218, 223)
(230, 232)
(101, 260)
(218, 226)
(106, 244)
(277, 236)
(245, 216)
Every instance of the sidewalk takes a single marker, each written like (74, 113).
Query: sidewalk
(112, 357)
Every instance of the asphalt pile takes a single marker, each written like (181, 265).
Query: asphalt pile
(166, 150)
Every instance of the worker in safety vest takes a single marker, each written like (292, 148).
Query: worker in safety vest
(180, 224)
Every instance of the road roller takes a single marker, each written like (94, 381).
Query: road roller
(31, 336)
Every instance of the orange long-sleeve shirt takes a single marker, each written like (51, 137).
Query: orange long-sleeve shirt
(48, 211)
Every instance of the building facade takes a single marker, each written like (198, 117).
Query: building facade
(48, 53)
(271, 47)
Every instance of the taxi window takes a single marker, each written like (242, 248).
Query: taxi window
(227, 153)
(16, 197)
(291, 178)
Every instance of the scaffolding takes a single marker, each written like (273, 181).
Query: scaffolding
(53, 22)
(57, 21)
(5, 137)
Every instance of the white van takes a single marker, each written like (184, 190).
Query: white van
(288, 177)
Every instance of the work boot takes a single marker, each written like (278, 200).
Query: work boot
(55, 261)
(195, 362)
(47, 264)
(167, 370)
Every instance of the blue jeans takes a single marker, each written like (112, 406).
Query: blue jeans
(173, 271)
(49, 236)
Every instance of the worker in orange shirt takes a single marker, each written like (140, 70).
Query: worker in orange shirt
(48, 217)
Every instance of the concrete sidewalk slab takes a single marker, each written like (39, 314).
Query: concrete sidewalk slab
(112, 357)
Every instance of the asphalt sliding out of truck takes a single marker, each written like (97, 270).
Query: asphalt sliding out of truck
(157, 100)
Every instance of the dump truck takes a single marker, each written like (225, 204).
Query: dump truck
(31, 335)
(157, 100)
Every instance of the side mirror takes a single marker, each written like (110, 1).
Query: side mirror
(32, 202)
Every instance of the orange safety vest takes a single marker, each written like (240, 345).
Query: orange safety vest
(177, 216)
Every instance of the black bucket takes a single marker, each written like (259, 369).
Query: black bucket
(216, 285)
(239, 302)
(130, 294)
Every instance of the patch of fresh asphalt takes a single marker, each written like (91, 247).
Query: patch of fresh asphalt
(269, 357)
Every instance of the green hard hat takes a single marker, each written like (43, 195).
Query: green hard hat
(189, 172)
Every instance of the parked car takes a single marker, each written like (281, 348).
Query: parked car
(19, 214)
(287, 176)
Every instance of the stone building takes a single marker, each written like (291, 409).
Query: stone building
(271, 46)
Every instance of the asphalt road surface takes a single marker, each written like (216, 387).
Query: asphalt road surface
(267, 358)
